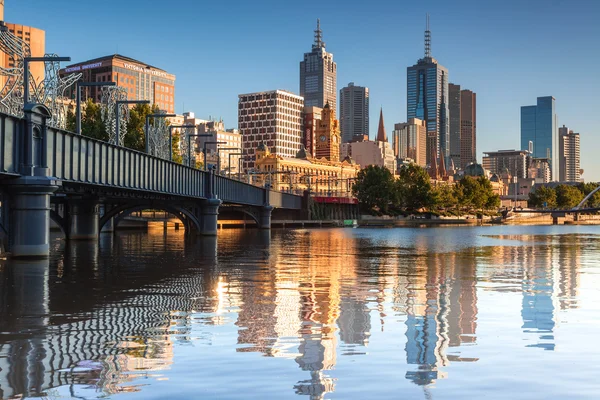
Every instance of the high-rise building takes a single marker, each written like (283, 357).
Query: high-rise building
(515, 161)
(539, 125)
(409, 140)
(328, 135)
(318, 74)
(271, 118)
(427, 99)
(468, 127)
(142, 81)
(354, 112)
(568, 155)
(454, 108)
(312, 116)
(33, 37)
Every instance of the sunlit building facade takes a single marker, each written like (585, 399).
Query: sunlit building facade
(539, 125)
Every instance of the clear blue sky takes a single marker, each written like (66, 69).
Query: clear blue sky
(509, 52)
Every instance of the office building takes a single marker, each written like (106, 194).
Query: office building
(539, 125)
(454, 109)
(311, 116)
(427, 100)
(318, 75)
(354, 112)
(539, 170)
(142, 81)
(409, 140)
(468, 128)
(568, 155)
(273, 118)
(328, 136)
(36, 40)
(515, 161)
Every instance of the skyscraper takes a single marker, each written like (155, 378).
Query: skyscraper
(409, 140)
(539, 125)
(568, 155)
(427, 99)
(354, 112)
(454, 108)
(468, 127)
(318, 75)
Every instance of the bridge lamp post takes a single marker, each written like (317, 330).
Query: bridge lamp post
(239, 163)
(189, 147)
(147, 126)
(26, 62)
(219, 157)
(171, 127)
(78, 87)
(204, 148)
(117, 112)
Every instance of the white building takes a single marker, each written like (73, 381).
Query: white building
(273, 118)
(371, 153)
(568, 155)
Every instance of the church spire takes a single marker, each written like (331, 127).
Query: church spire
(319, 43)
(381, 136)
(427, 39)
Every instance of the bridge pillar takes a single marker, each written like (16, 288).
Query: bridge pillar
(84, 220)
(264, 217)
(209, 211)
(29, 230)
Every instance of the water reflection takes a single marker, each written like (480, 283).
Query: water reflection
(99, 319)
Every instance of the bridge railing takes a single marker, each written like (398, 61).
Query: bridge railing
(232, 191)
(285, 200)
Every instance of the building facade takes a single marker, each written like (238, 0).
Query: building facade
(273, 118)
(328, 136)
(318, 75)
(539, 125)
(354, 112)
(409, 140)
(539, 170)
(468, 128)
(427, 100)
(370, 152)
(454, 109)
(311, 118)
(515, 161)
(142, 81)
(568, 155)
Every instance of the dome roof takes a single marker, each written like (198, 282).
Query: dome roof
(302, 153)
(474, 169)
(261, 147)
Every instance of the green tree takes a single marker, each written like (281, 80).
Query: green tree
(414, 188)
(71, 121)
(445, 196)
(176, 147)
(477, 193)
(135, 138)
(91, 121)
(542, 195)
(492, 200)
(587, 188)
(568, 196)
(375, 187)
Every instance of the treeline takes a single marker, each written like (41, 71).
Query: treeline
(379, 192)
(135, 137)
(563, 197)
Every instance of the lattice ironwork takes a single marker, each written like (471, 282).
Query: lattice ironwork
(184, 140)
(11, 78)
(158, 138)
(108, 105)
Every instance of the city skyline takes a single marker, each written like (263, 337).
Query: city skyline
(487, 48)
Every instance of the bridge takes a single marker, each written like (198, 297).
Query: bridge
(86, 185)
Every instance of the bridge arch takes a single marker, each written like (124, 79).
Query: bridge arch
(189, 220)
(586, 198)
(59, 221)
(252, 212)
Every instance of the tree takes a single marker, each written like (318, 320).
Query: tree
(477, 193)
(71, 121)
(375, 188)
(543, 196)
(492, 200)
(414, 188)
(91, 121)
(135, 138)
(568, 196)
(176, 147)
(587, 188)
(445, 196)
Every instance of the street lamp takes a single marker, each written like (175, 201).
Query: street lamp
(171, 127)
(239, 163)
(204, 149)
(26, 62)
(117, 112)
(219, 157)
(189, 147)
(78, 87)
(147, 127)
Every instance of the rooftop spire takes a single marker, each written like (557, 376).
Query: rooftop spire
(427, 39)
(381, 136)
(319, 43)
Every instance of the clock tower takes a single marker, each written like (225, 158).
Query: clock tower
(327, 135)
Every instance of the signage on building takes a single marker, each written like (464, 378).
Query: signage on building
(83, 67)
(144, 70)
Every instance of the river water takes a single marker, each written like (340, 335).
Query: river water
(434, 313)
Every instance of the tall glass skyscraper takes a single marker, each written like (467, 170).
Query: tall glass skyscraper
(539, 125)
(427, 99)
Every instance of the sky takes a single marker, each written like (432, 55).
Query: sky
(507, 51)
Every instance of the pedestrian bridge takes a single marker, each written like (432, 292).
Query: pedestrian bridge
(85, 184)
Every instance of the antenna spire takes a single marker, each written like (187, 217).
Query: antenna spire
(427, 39)
(319, 43)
